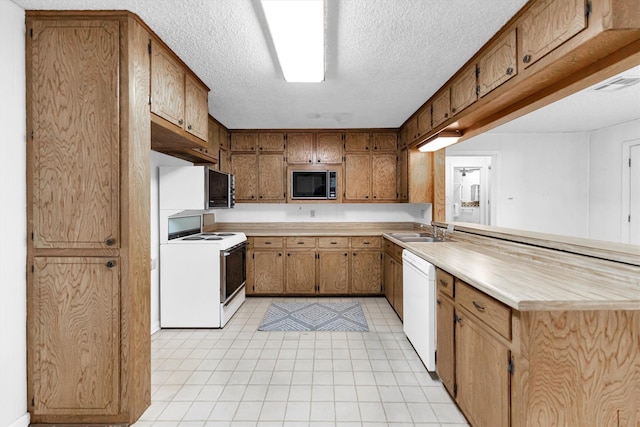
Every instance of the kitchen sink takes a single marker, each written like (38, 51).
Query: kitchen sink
(414, 237)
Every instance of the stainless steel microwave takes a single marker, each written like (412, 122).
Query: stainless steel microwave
(314, 184)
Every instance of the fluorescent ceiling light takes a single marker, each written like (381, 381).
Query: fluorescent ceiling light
(297, 31)
(440, 141)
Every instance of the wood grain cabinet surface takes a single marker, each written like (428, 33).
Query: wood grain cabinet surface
(393, 276)
(498, 64)
(88, 311)
(196, 107)
(464, 90)
(357, 141)
(333, 272)
(271, 141)
(314, 148)
(329, 147)
(245, 169)
(424, 123)
(167, 86)
(300, 148)
(441, 108)
(357, 176)
(244, 141)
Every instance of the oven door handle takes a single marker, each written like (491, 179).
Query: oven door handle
(235, 248)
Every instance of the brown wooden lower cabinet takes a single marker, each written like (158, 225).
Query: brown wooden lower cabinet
(505, 367)
(392, 284)
(314, 265)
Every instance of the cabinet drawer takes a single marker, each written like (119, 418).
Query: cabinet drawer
(493, 313)
(267, 242)
(301, 242)
(333, 242)
(444, 282)
(365, 242)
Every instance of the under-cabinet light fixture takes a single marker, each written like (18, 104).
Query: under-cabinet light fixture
(297, 31)
(439, 141)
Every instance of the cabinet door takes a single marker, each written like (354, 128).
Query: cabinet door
(245, 141)
(548, 24)
(389, 277)
(75, 336)
(483, 381)
(403, 175)
(300, 148)
(75, 166)
(357, 141)
(213, 139)
(271, 177)
(224, 164)
(498, 64)
(196, 110)
(333, 272)
(167, 86)
(366, 272)
(329, 148)
(357, 179)
(223, 138)
(398, 293)
(383, 168)
(385, 141)
(424, 121)
(412, 129)
(441, 109)
(245, 169)
(271, 141)
(464, 90)
(445, 363)
(268, 272)
(301, 272)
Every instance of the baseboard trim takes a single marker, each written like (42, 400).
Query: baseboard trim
(155, 327)
(23, 421)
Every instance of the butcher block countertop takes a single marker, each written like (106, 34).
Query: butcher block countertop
(528, 278)
(523, 276)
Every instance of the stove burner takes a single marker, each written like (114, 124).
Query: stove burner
(214, 238)
(225, 234)
(193, 238)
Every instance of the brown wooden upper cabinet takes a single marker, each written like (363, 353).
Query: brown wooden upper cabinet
(244, 141)
(176, 95)
(318, 148)
(412, 129)
(271, 141)
(441, 108)
(498, 64)
(464, 89)
(300, 148)
(329, 147)
(385, 141)
(424, 121)
(213, 140)
(357, 141)
(548, 24)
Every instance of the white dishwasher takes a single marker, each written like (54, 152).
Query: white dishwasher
(419, 306)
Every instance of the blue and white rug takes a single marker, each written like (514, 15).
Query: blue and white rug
(304, 316)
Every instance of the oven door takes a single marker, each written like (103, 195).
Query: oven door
(233, 271)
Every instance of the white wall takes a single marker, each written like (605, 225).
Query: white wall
(543, 180)
(606, 169)
(327, 212)
(157, 159)
(13, 245)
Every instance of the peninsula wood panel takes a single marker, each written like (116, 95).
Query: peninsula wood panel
(482, 378)
(329, 147)
(76, 338)
(301, 272)
(196, 110)
(579, 368)
(75, 124)
(498, 64)
(300, 148)
(167, 86)
(383, 177)
(333, 272)
(548, 24)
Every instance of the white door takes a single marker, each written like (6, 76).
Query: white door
(634, 194)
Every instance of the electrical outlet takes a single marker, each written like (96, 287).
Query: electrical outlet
(313, 213)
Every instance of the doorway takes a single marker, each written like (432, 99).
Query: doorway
(631, 192)
(469, 189)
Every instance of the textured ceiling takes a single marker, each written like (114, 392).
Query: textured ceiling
(385, 58)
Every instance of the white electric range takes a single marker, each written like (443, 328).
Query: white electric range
(202, 277)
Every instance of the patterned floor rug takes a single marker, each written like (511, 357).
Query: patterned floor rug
(302, 316)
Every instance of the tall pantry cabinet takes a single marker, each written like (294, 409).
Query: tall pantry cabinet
(88, 210)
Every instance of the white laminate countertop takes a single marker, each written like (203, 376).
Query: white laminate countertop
(528, 284)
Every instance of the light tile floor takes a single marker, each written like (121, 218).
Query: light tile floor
(239, 376)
